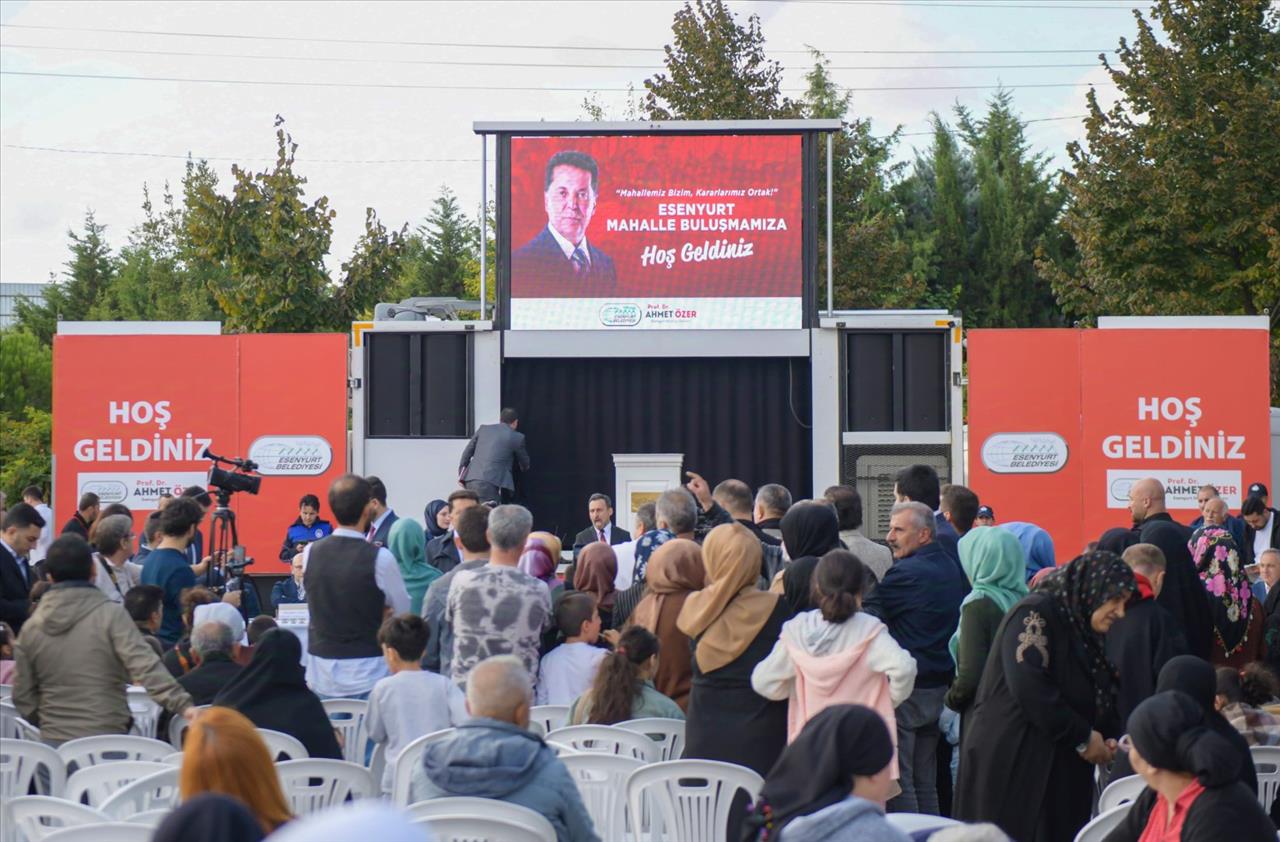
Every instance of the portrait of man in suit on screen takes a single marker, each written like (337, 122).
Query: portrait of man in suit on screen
(559, 262)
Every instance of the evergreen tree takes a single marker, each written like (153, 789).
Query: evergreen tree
(438, 253)
(88, 273)
(26, 373)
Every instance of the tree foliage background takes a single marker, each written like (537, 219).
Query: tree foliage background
(1171, 205)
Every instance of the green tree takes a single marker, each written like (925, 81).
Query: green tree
(88, 274)
(871, 261)
(266, 241)
(1017, 211)
(1175, 201)
(368, 276)
(25, 450)
(716, 70)
(437, 255)
(26, 373)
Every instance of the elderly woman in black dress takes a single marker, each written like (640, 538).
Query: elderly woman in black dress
(1046, 705)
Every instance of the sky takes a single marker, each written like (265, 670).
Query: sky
(69, 144)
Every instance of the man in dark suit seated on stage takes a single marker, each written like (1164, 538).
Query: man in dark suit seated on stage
(559, 261)
(488, 459)
(600, 511)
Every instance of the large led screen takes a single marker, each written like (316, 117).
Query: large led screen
(656, 232)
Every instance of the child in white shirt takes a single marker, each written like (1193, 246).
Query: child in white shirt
(568, 670)
(411, 702)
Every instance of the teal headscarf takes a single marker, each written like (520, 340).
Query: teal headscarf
(408, 543)
(993, 560)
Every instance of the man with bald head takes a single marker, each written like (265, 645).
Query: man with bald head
(495, 755)
(1183, 594)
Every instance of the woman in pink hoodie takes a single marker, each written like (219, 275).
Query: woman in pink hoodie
(835, 654)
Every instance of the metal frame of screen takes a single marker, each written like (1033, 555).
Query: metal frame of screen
(810, 132)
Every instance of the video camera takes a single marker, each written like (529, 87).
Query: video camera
(242, 478)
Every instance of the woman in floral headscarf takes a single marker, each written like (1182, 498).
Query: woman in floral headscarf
(1237, 618)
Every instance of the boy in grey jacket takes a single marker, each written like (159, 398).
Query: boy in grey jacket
(79, 651)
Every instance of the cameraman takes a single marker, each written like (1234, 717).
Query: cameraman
(167, 564)
(307, 528)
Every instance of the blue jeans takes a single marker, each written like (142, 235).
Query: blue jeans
(918, 735)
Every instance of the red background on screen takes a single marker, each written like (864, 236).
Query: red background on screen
(665, 162)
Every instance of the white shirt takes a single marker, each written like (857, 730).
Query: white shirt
(626, 555)
(566, 672)
(356, 676)
(1262, 537)
(568, 248)
(41, 548)
(408, 705)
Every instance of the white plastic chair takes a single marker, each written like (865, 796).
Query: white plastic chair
(911, 823)
(561, 749)
(109, 832)
(14, 727)
(1121, 791)
(1266, 761)
(150, 818)
(315, 784)
(608, 740)
(602, 782)
(378, 764)
(1103, 824)
(146, 713)
(409, 757)
(20, 760)
(667, 733)
(178, 726)
(347, 716)
(95, 784)
(33, 817)
(6, 692)
(279, 743)
(154, 792)
(173, 758)
(90, 751)
(550, 717)
(481, 820)
(689, 800)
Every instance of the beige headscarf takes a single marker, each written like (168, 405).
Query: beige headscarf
(674, 571)
(726, 615)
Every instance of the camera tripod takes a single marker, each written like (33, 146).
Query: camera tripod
(223, 541)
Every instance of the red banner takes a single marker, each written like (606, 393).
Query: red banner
(1063, 422)
(657, 218)
(132, 415)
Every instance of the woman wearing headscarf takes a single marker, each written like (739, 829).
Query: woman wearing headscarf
(1046, 699)
(438, 518)
(733, 626)
(1193, 793)
(1195, 677)
(1117, 540)
(830, 785)
(595, 573)
(538, 561)
(408, 543)
(1037, 546)
(272, 692)
(675, 571)
(209, 818)
(1237, 617)
(993, 561)
(836, 654)
(809, 531)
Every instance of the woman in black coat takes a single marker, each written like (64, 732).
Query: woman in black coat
(1192, 777)
(733, 627)
(272, 692)
(1036, 729)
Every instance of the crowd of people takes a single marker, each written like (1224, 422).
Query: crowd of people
(958, 668)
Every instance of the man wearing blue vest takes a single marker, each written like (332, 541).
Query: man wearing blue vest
(351, 585)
